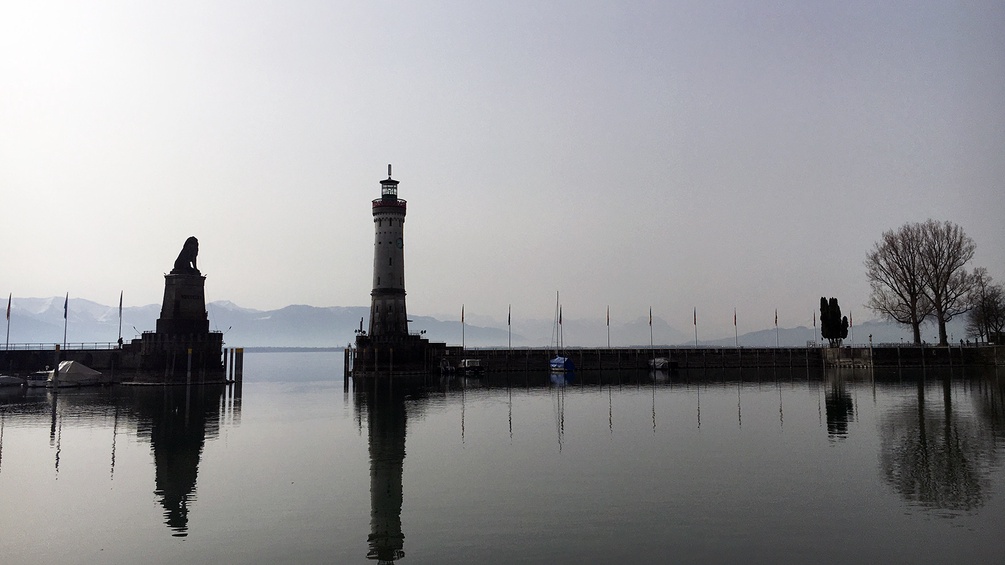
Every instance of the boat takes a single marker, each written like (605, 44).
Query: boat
(660, 363)
(559, 363)
(8, 380)
(472, 367)
(37, 379)
(72, 373)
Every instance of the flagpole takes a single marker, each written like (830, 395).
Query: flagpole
(66, 305)
(776, 327)
(696, 327)
(736, 336)
(7, 342)
(120, 319)
(462, 327)
(509, 324)
(608, 326)
(651, 337)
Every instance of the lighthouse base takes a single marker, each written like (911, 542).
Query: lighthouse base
(388, 356)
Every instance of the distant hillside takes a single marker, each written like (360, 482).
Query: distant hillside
(40, 320)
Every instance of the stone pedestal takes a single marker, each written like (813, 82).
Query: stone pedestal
(184, 308)
(183, 349)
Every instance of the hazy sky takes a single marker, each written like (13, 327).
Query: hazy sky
(672, 155)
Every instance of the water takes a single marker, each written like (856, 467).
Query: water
(752, 467)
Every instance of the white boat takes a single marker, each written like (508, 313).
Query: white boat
(660, 363)
(37, 379)
(7, 380)
(72, 373)
(472, 366)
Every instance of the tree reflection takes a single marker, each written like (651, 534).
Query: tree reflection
(840, 407)
(934, 456)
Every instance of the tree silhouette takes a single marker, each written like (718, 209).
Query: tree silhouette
(919, 270)
(833, 327)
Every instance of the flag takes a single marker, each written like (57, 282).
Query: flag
(560, 315)
(462, 313)
(650, 317)
(509, 314)
(8, 304)
(608, 316)
(776, 317)
(66, 304)
(120, 304)
(850, 323)
(695, 317)
(814, 319)
(734, 317)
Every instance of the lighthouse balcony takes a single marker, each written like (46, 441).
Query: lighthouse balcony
(389, 203)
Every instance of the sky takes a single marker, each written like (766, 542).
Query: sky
(688, 157)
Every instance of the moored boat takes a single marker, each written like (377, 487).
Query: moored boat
(472, 366)
(71, 373)
(561, 364)
(37, 379)
(8, 380)
(660, 363)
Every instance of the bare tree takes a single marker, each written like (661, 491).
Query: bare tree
(987, 316)
(895, 272)
(945, 251)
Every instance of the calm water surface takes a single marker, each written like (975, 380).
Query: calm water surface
(753, 467)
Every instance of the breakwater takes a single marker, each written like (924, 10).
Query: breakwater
(683, 358)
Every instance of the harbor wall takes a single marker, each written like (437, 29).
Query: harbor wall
(126, 362)
(635, 358)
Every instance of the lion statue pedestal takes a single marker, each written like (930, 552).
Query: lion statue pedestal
(183, 337)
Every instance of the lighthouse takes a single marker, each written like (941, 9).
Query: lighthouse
(388, 349)
(388, 319)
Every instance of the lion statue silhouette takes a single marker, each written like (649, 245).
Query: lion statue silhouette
(186, 261)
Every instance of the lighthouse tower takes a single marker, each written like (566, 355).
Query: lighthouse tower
(388, 320)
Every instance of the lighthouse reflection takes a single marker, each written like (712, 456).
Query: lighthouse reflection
(386, 422)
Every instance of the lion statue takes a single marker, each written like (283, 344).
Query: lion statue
(186, 261)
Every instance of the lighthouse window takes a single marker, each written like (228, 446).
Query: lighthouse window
(390, 261)
(378, 281)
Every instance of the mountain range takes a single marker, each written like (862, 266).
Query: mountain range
(40, 320)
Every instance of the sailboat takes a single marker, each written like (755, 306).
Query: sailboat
(559, 363)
